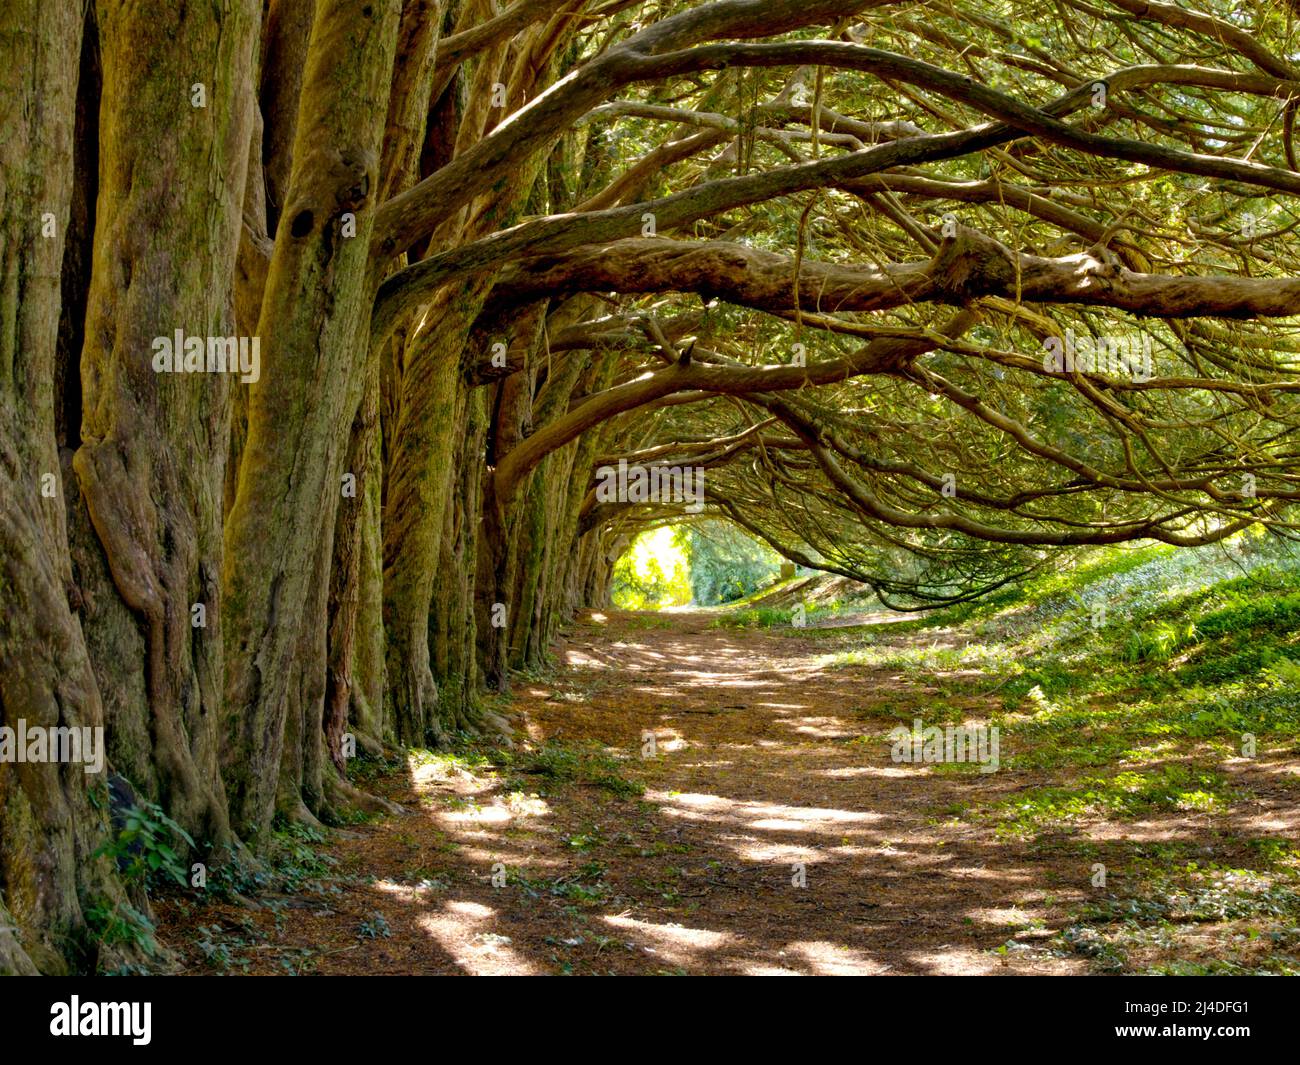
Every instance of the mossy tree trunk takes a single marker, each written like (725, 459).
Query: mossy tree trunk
(173, 152)
(418, 487)
(314, 321)
(53, 890)
(452, 629)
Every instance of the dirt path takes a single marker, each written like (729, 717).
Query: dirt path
(764, 759)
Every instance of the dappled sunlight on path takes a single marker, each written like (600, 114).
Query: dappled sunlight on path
(744, 816)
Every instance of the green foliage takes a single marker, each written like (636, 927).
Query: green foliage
(1247, 611)
(145, 847)
(1126, 794)
(1162, 917)
(584, 887)
(295, 858)
(758, 617)
(1195, 650)
(120, 924)
(1158, 642)
(652, 572)
(374, 927)
(291, 862)
(707, 563)
(576, 763)
(727, 565)
(218, 949)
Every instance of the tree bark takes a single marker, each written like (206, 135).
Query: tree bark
(314, 318)
(50, 879)
(152, 457)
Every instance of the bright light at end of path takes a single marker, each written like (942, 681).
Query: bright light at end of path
(654, 572)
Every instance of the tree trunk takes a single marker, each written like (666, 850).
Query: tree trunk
(54, 889)
(153, 444)
(347, 579)
(315, 318)
(418, 488)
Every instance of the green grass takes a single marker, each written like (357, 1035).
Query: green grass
(562, 763)
(1123, 686)
(1124, 795)
(759, 617)
(1181, 653)
(772, 617)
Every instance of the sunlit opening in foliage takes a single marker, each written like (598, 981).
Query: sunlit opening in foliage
(654, 572)
(703, 564)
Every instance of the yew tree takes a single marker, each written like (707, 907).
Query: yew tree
(934, 291)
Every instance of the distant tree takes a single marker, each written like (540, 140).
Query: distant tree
(726, 564)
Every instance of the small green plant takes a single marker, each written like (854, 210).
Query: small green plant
(295, 858)
(1126, 794)
(120, 924)
(374, 927)
(584, 764)
(216, 948)
(586, 841)
(145, 847)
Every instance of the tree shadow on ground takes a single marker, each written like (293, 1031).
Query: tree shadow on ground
(775, 834)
